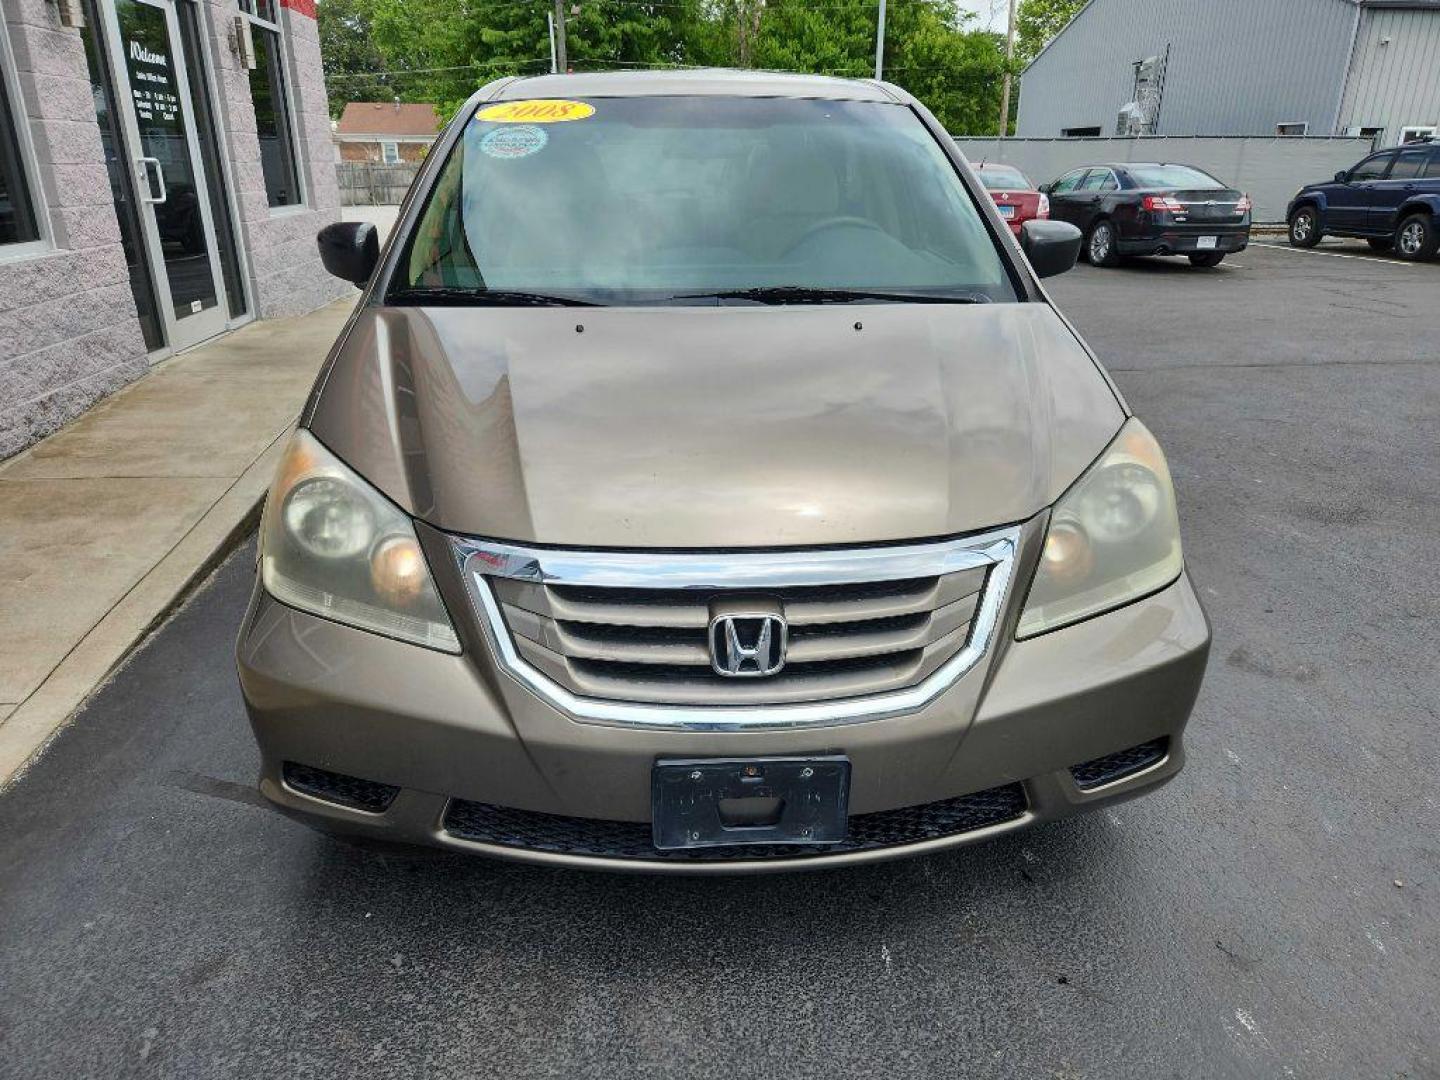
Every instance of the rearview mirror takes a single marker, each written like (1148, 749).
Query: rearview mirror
(1341, 176)
(1051, 246)
(350, 250)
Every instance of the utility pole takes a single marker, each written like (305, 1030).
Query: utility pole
(561, 61)
(880, 43)
(550, 18)
(1009, 56)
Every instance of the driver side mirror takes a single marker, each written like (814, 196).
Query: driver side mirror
(350, 250)
(1341, 177)
(1051, 246)
(1044, 189)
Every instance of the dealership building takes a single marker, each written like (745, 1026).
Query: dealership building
(164, 167)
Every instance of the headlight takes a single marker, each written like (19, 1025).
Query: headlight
(332, 545)
(1113, 538)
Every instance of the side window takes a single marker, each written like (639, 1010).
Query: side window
(1432, 171)
(1409, 164)
(1095, 180)
(1109, 183)
(1371, 168)
(272, 104)
(1068, 181)
(19, 223)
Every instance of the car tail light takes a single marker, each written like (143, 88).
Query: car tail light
(1244, 205)
(1162, 203)
(1042, 209)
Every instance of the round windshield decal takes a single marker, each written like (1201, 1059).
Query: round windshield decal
(535, 111)
(513, 142)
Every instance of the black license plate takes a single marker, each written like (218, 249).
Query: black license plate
(711, 802)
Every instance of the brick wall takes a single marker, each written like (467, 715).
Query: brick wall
(68, 329)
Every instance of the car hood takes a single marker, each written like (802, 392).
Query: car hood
(733, 426)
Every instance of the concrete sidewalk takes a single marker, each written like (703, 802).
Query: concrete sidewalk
(104, 524)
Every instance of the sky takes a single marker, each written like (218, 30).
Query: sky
(991, 13)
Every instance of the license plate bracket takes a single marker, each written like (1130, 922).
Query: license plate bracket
(721, 802)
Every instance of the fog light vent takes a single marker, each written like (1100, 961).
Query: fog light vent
(1112, 767)
(340, 789)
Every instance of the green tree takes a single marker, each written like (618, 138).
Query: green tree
(442, 50)
(346, 48)
(929, 50)
(1038, 21)
(956, 71)
(449, 48)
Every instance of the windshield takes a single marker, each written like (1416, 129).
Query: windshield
(695, 199)
(1171, 176)
(1004, 178)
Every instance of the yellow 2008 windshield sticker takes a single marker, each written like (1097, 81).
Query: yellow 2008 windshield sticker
(535, 111)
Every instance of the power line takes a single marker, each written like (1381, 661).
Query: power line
(676, 4)
(857, 70)
(433, 70)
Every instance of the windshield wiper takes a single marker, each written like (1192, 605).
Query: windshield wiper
(454, 296)
(806, 294)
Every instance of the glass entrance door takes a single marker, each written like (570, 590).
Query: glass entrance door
(159, 117)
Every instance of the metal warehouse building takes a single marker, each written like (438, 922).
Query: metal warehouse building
(1239, 67)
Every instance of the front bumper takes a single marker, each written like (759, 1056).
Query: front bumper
(1185, 241)
(458, 742)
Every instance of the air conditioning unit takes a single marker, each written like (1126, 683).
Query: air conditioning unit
(1139, 115)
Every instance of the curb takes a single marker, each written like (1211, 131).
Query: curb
(96, 657)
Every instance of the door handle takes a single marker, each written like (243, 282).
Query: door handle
(149, 195)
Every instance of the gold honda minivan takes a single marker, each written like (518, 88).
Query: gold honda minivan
(703, 483)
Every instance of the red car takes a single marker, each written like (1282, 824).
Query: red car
(1014, 195)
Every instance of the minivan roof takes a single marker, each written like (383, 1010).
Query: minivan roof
(721, 82)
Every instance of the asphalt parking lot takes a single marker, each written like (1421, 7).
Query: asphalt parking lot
(1273, 912)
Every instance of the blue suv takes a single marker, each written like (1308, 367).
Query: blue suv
(1391, 199)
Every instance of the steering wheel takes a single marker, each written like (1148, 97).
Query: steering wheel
(847, 221)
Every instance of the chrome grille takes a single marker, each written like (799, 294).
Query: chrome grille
(652, 645)
(624, 638)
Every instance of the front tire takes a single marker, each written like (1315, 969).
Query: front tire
(1305, 228)
(1417, 238)
(1101, 247)
(1207, 258)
